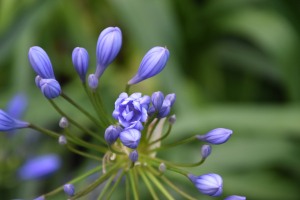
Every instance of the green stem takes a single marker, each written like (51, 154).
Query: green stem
(180, 171)
(57, 190)
(104, 116)
(106, 187)
(163, 137)
(127, 88)
(127, 187)
(115, 185)
(148, 184)
(51, 133)
(152, 130)
(82, 153)
(133, 185)
(174, 144)
(115, 151)
(102, 107)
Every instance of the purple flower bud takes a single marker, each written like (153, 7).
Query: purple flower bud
(37, 81)
(157, 99)
(40, 62)
(111, 135)
(162, 167)
(151, 111)
(40, 198)
(8, 123)
(133, 156)
(39, 167)
(80, 59)
(93, 82)
(205, 151)
(50, 88)
(216, 136)
(62, 140)
(235, 197)
(153, 62)
(63, 123)
(69, 189)
(209, 184)
(165, 109)
(172, 119)
(17, 106)
(108, 46)
(172, 98)
(130, 138)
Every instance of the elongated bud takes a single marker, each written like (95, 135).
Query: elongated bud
(37, 81)
(8, 123)
(69, 189)
(209, 184)
(153, 62)
(93, 82)
(80, 59)
(130, 138)
(108, 46)
(111, 135)
(235, 197)
(133, 156)
(165, 109)
(172, 119)
(151, 111)
(62, 140)
(205, 151)
(40, 62)
(216, 136)
(157, 100)
(172, 98)
(162, 167)
(50, 88)
(63, 123)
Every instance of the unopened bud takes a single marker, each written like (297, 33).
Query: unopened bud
(62, 140)
(205, 151)
(63, 123)
(162, 167)
(69, 189)
(172, 119)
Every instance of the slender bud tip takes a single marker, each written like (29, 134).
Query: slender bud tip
(62, 140)
(63, 123)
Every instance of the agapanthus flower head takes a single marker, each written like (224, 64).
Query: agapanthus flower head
(133, 156)
(39, 167)
(93, 82)
(130, 111)
(111, 135)
(130, 138)
(8, 123)
(80, 59)
(69, 189)
(235, 197)
(108, 46)
(157, 100)
(171, 97)
(216, 136)
(153, 62)
(37, 81)
(172, 119)
(63, 123)
(209, 184)
(165, 109)
(205, 151)
(40, 62)
(50, 88)
(62, 140)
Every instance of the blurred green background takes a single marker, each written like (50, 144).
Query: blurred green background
(233, 64)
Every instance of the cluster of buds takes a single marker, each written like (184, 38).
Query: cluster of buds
(128, 144)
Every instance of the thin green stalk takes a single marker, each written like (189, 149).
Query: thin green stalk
(82, 153)
(127, 187)
(136, 177)
(81, 109)
(127, 88)
(115, 151)
(104, 116)
(115, 185)
(98, 95)
(180, 171)
(75, 180)
(75, 123)
(106, 187)
(84, 143)
(133, 185)
(148, 184)
(51, 133)
(159, 185)
(97, 182)
(152, 130)
(174, 144)
(163, 137)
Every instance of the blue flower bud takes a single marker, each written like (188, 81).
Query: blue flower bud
(39, 167)
(151, 111)
(37, 81)
(165, 109)
(133, 156)
(153, 62)
(62, 140)
(40, 198)
(17, 106)
(130, 138)
(111, 135)
(172, 119)
(162, 167)
(69, 189)
(50, 88)
(63, 123)
(157, 99)
(108, 46)
(40, 62)
(205, 151)
(93, 82)
(8, 123)
(172, 98)
(80, 59)
(209, 184)
(235, 197)
(216, 136)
